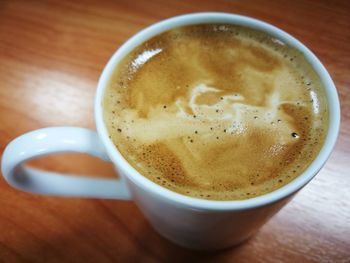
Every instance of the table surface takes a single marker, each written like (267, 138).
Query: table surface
(51, 56)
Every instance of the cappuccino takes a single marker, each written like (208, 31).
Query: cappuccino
(216, 111)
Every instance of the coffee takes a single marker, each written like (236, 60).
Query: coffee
(216, 111)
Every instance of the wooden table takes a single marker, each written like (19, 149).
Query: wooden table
(51, 55)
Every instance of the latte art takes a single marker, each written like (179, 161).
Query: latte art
(219, 112)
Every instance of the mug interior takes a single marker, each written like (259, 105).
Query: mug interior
(207, 18)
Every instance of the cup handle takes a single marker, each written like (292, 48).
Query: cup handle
(58, 140)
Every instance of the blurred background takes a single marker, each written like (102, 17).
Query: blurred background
(51, 56)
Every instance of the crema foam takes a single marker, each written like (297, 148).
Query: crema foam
(219, 112)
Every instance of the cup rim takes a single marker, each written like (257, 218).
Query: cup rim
(204, 204)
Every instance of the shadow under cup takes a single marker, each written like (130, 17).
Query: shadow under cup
(205, 224)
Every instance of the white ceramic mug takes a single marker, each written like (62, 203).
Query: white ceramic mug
(187, 221)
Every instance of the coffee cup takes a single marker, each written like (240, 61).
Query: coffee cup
(188, 221)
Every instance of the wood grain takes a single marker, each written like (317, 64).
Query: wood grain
(51, 55)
